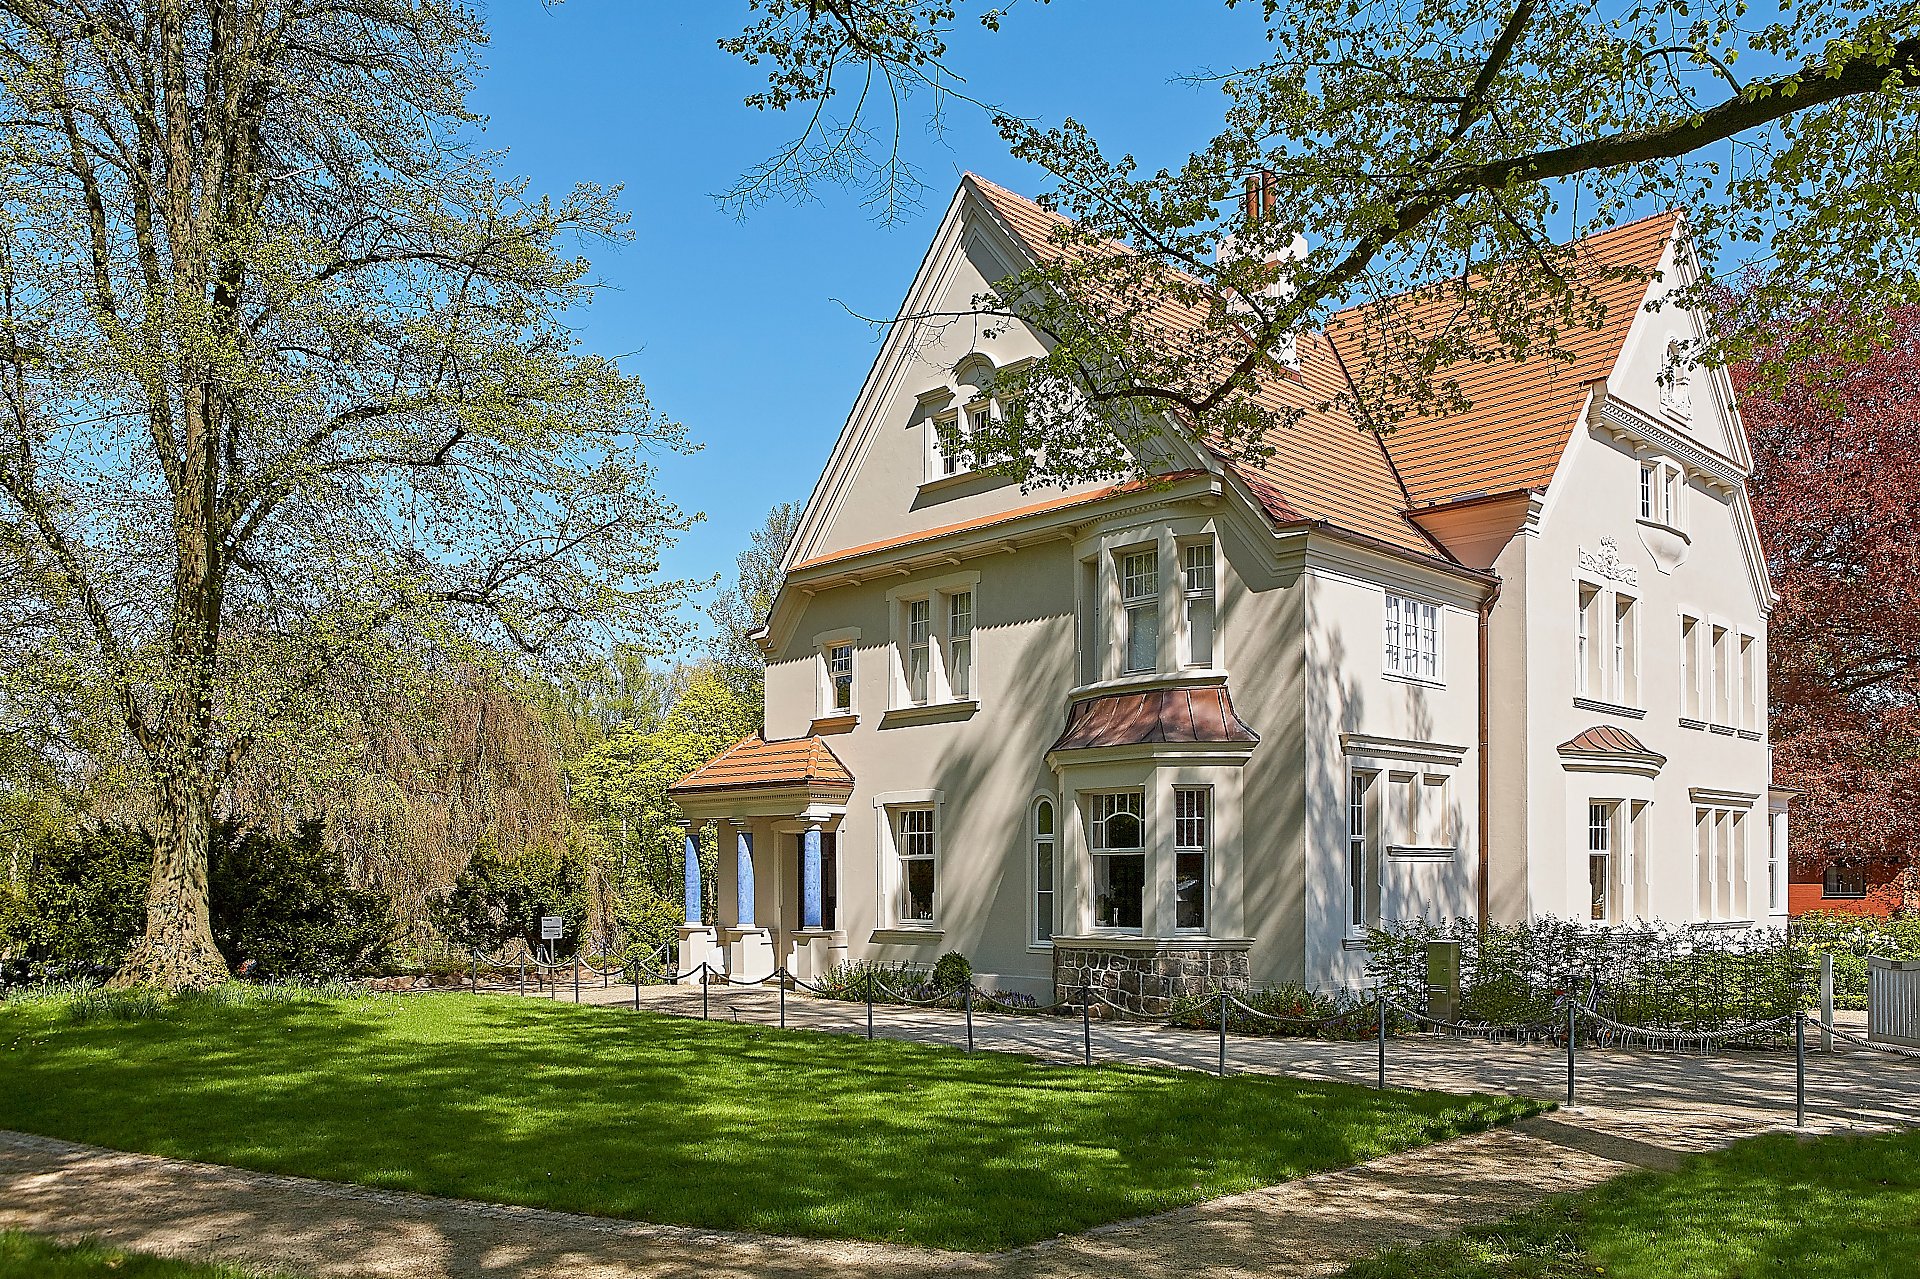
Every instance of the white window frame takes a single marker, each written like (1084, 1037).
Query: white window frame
(839, 659)
(1360, 848)
(1690, 700)
(1413, 637)
(1045, 894)
(1141, 602)
(1650, 482)
(917, 656)
(959, 646)
(1602, 847)
(824, 645)
(1097, 802)
(1199, 609)
(1193, 835)
(938, 597)
(1623, 665)
(929, 853)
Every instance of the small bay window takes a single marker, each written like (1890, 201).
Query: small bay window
(1118, 830)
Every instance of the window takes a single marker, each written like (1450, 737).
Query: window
(946, 461)
(918, 845)
(979, 420)
(1197, 582)
(1844, 881)
(1777, 863)
(840, 678)
(1625, 688)
(1357, 787)
(1119, 858)
(1190, 839)
(1586, 662)
(1676, 485)
(1412, 638)
(1043, 847)
(1752, 713)
(1689, 668)
(919, 648)
(1649, 486)
(1720, 863)
(1140, 597)
(960, 644)
(1600, 861)
(1723, 678)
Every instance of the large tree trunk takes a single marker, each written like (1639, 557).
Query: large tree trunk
(178, 951)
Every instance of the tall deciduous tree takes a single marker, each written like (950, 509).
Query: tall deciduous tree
(283, 368)
(1836, 493)
(1400, 142)
(741, 608)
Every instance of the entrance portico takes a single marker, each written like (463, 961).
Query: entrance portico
(764, 798)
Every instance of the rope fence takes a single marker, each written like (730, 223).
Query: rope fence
(1580, 1026)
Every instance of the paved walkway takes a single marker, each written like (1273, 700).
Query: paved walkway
(1637, 1110)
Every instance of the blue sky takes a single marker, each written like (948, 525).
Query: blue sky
(741, 328)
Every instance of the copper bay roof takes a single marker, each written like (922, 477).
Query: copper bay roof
(1158, 715)
(1605, 739)
(755, 762)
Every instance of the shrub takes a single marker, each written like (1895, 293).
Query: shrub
(288, 905)
(852, 979)
(495, 900)
(952, 971)
(1306, 1012)
(1674, 978)
(1850, 939)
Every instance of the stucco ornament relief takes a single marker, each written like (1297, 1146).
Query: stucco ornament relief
(1606, 562)
(1676, 381)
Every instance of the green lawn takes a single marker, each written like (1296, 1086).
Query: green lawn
(34, 1257)
(699, 1123)
(1797, 1208)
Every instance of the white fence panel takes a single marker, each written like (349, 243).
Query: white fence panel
(1893, 1001)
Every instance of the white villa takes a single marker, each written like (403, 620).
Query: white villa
(1504, 663)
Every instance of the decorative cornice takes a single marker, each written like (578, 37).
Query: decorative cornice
(1610, 412)
(1718, 798)
(1401, 748)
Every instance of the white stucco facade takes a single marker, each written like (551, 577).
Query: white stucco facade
(1159, 722)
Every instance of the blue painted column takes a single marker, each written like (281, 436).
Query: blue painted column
(810, 878)
(692, 899)
(745, 905)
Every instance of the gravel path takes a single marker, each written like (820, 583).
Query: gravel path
(1637, 1110)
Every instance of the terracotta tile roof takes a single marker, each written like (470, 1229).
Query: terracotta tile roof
(1158, 715)
(1605, 739)
(988, 521)
(755, 762)
(1522, 412)
(1323, 467)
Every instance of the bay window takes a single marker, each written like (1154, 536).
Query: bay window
(1191, 822)
(1118, 836)
(1140, 602)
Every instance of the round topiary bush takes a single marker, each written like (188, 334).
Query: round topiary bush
(952, 971)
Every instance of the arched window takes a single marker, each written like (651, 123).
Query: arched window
(1044, 870)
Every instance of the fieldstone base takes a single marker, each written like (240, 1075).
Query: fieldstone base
(1145, 979)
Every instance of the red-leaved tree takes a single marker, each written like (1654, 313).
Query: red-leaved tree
(1836, 492)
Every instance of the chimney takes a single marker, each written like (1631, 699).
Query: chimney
(1260, 196)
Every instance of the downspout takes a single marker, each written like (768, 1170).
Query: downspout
(1486, 617)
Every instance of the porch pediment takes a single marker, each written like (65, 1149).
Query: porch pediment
(756, 777)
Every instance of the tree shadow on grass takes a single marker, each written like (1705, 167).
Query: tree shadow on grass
(703, 1124)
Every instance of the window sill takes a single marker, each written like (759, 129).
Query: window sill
(931, 713)
(829, 725)
(1353, 943)
(1609, 708)
(1421, 852)
(908, 935)
(1192, 677)
(1418, 681)
(1725, 730)
(941, 483)
(1751, 735)
(1134, 939)
(1689, 722)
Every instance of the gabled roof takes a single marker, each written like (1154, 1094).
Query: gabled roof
(1521, 413)
(1323, 467)
(1159, 715)
(754, 762)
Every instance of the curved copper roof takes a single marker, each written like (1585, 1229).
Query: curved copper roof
(1605, 739)
(755, 762)
(1157, 715)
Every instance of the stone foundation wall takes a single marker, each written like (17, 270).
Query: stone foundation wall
(1145, 980)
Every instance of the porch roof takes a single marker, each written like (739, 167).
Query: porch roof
(754, 763)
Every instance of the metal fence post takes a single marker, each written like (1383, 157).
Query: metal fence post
(1223, 1034)
(1826, 1002)
(966, 1001)
(474, 987)
(523, 979)
(576, 979)
(704, 970)
(1573, 1013)
(636, 986)
(869, 987)
(1380, 1009)
(1086, 1026)
(782, 986)
(1800, 1070)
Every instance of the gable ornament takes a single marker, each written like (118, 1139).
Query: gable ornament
(1606, 562)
